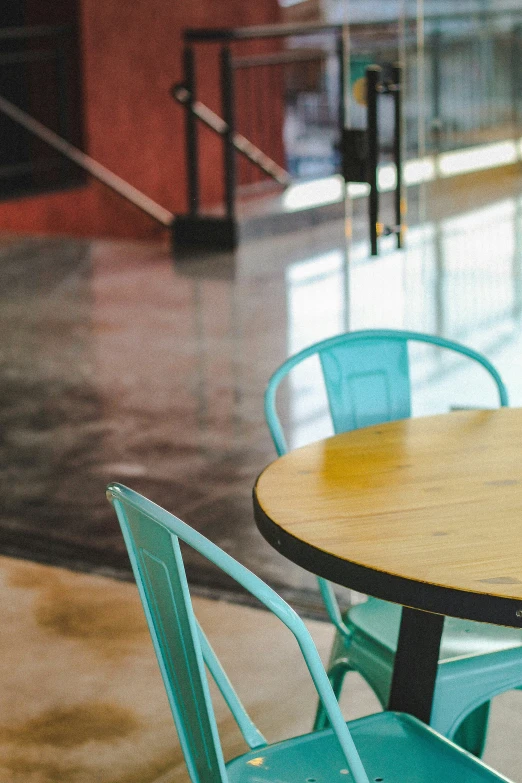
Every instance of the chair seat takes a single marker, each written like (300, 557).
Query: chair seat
(394, 748)
(380, 621)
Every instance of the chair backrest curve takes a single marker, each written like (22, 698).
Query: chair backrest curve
(367, 377)
(152, 538)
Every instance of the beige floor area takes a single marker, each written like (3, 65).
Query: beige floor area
(82, 699)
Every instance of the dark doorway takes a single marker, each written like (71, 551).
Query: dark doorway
(40, 73)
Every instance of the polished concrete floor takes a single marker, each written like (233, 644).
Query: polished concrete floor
(119, 363)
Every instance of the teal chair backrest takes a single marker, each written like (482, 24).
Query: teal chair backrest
(152, 538)
(367, 380)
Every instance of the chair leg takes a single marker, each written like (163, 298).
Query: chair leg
(336, 675)
(471, 734)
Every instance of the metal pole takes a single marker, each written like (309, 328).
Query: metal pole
(373, 75)
(191, 138)
(229, 153)
(515, 73)
(218, 124)
(397, 151)
(436, 52)
(341, 58)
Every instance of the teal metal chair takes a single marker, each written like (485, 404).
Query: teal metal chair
(367, 382)
(389, 747)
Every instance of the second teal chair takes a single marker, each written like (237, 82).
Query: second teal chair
(367, 380)
(388, 747)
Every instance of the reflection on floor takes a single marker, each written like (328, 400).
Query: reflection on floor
(117, 363)
(90, 706)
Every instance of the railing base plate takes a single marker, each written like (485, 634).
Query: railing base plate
(215, 232)
(198, 232)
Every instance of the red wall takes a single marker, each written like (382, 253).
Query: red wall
(131, 57)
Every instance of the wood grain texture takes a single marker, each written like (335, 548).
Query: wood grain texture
(437, 500)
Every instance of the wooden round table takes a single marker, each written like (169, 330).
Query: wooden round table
(423, 512)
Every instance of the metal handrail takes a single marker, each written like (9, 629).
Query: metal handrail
(240, 142)
(193, 35)
(223, 34)
(279, 58)
(88, 164)
(230, 63)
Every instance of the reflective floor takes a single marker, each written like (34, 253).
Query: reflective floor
(118, 363)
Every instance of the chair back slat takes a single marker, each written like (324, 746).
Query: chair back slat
(367, 382)
(160, 574)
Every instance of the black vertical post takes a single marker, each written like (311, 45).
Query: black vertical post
(436, 58)
(373, 75)
(191, 138)
(229, 153)
(397, 87)
(516, 74)
(341, 58)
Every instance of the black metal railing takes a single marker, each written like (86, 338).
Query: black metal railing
(322, 49)
(471, 75)
(467, 77)
(232, 66)
(255, 90)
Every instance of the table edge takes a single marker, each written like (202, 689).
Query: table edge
(438, 599)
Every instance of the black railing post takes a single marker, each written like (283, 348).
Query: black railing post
(191, 132)
(397, 87)
(516, 74)
(436, 123)
(229, 153)
(373, 76)
(341, 58)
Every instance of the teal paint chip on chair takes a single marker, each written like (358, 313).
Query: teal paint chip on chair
(388, 747)
(367, 381)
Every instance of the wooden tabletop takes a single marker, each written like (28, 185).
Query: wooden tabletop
(426, 512)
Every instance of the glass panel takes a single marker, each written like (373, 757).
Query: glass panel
(462, 112)
(469, 120)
